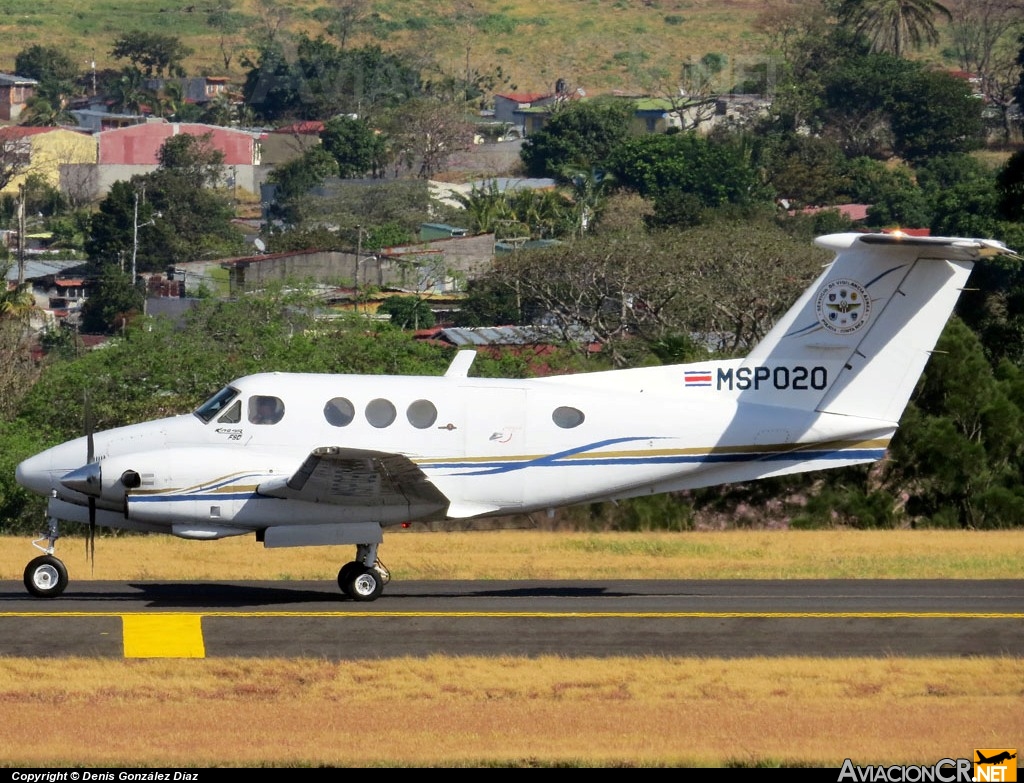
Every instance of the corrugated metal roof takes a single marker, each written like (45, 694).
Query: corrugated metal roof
(36, 268)
(507, 335)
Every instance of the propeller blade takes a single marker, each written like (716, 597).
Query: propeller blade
(92, 480)
(90, 448)
(90, 540)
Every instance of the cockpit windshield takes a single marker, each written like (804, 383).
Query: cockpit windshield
(216, 403)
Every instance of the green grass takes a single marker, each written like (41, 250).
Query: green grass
(545, 40)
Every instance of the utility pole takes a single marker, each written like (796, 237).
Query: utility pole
(355, 277)
(135, 234)
(135, 242)
(21, 235)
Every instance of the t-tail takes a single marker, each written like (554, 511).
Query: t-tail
(857, 341)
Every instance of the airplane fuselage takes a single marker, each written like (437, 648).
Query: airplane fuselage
(483, 443)
(315, 459)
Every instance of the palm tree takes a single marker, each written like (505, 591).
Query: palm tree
(48, 107)
(16, 303)
(894, 25)
(129, 93)
(590, 189)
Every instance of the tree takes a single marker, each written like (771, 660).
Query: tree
(294, 179)
(323, 81)
(177, 213)
(405, 203)
(47, 110)
(901, 208)
(194, 158)
(46, 64)
(1010, 183)
(169, 99)
(111, 227)
(580, 134)
(425, 132)
(14, 155)
(153, 53)
(16, 304)
(408, 312)
(958, 453)
(128, 92)
(805, 170)
(113, 303)
(726, 282)
(935, 113)
(489, 209)
(879, 105)
(686, 173)
(986, 38)
(222, 17)
(489, 302)
(857, 105)
(355, 145)
(894, 26)
(344, 18)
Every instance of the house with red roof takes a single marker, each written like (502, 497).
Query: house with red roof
(124, 152)
(507, 104)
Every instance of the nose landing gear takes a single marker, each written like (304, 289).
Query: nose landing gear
(46, 576)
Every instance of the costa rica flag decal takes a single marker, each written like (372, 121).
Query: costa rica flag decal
(697, 378)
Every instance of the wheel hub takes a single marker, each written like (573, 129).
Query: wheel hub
(45, 577)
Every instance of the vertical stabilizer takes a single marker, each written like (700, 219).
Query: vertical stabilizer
(858, 339)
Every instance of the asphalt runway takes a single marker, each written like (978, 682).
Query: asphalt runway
(726, 619)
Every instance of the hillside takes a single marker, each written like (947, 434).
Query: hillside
(599, 45)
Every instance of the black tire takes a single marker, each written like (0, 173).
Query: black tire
(345, 576)
(46, 577)
(364, 584)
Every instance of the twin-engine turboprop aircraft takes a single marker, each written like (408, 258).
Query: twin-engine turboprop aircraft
(309, 459)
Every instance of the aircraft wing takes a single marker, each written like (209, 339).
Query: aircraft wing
(358, 477)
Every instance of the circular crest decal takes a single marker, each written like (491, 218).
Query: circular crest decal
(843, 306)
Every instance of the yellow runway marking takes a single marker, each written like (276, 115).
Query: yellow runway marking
(180, 634)
(195, 617)
(163, 636)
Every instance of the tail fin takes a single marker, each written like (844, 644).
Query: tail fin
(858, 339)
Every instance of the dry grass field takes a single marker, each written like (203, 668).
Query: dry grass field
(598, 45)
(458, 712)
(538, 554)
(516, 712)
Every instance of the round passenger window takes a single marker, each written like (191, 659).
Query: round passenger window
(380, 412)
(567, 418)
(339, 412)
(421, 414)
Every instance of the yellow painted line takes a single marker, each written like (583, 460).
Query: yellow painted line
(188, 620)
(163, 636)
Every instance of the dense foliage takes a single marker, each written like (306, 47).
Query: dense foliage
(667, 245)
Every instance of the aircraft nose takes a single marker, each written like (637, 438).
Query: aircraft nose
(41, 473)
(34, 474)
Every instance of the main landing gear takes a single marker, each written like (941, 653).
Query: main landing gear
(362, 582)
(46, 576)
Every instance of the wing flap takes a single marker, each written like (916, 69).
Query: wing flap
(358, 477)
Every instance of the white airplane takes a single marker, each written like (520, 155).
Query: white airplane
(320, 459)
